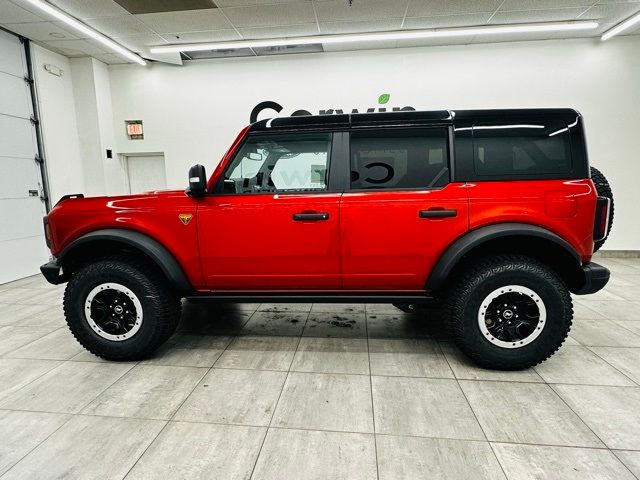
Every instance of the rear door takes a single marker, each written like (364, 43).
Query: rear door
(273, 222)
(401, 211)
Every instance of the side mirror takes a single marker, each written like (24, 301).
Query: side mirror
(197, 181)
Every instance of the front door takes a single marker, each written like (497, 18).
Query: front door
(401, 211)
(273, 223)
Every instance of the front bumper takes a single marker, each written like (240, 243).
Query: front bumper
(53, 273)
(595, 278)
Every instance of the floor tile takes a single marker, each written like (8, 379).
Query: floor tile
(16, 373)
(201, 451)
(23, 431)
(337, 308)
(67, 388)
(626, 360)
(526, 413)
(397, 326)
(147, 391)
(57, 345)
(190, 351)
(523, 462)
(320, 401)
(285, 307)
(384, 309)
(423, 407)
(613, 413)
(309, 455)
(582, 311)
(603, 333)
(631, 459)
(408, 357)
(632, 325)
(332, 355)
(413, 458)
(625, 310)
(88, 447)
(578, 365)
(464, 369)
(13, 314)
(12, 338)
(275, 323)
(245, 397)
(337, 325)
(259, 353)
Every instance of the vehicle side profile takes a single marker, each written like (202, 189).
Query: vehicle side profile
(492, 214)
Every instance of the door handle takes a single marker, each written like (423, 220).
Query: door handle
(310, 217)
(437, 213)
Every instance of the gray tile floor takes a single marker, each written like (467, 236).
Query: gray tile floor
(318, 392)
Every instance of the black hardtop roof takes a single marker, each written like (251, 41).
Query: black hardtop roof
(409, 118)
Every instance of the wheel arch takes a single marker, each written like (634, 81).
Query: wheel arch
(517, 238)
(120, 240)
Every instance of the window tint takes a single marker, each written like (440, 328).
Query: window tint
(397, 159)
(521, 149)
(280, 163)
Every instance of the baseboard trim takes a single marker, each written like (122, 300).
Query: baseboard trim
(618, 253)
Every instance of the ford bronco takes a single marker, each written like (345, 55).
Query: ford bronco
(493, 214)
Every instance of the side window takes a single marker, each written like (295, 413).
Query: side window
(280, 163)
(523, 149)
(399, 158)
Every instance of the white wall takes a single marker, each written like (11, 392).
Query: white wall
(193, 112)
(58, 119)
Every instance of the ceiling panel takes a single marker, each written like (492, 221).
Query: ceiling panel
(358, 27)
(543, 4)
(41, 31)
(305, 29)
(431, 8)
(531, 16)
(202, 37)
(138, 43)
(155, 6)
(250, 3)
(611, 13)
(191, 21)
(271, 15)
(11, 13)
(122, 26)
(447, 21)
(111, 58)
(90, 8)
(339, 11)
(88, 47)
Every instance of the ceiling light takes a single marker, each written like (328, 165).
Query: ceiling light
(382, 36)
(81, 27)
(628, 23)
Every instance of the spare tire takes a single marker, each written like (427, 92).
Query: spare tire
(604, 190)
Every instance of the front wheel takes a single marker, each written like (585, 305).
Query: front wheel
(120, 308)
(508, 312)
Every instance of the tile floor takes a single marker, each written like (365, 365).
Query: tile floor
(318, 392)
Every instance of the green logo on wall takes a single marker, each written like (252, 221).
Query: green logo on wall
(384, 98)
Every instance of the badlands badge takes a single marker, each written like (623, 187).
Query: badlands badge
(185, 218)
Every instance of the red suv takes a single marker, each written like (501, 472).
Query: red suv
(491, 213)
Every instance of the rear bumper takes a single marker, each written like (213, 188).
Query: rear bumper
(52, 272)
(595, 278)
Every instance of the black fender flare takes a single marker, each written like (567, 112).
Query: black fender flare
(145, 244)
(474, 238)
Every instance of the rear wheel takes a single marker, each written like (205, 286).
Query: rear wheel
(120, 309)
(508, 312)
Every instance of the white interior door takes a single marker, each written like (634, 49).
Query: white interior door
(146, 173)
(22, 245)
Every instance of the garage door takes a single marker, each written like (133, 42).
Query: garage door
(22, 247)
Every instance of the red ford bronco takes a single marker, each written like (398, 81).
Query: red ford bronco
(494, 214)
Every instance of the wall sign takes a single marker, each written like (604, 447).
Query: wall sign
(134, 129)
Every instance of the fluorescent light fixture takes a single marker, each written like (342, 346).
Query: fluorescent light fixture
(382, 36)
(622, 26)
(81, 27)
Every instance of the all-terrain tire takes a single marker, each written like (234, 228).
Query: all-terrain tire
(463, 301)
(604, 190)
(160, 307)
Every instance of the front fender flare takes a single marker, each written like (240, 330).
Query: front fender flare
(147, 245)
(474, 238)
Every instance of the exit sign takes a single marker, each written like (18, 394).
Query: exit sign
(134, 129)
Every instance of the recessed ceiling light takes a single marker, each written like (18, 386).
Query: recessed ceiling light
(382, 36)
(81, 27)
(621, 27)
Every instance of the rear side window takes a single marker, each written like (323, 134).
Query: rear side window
(521, 150)
(399, 158)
